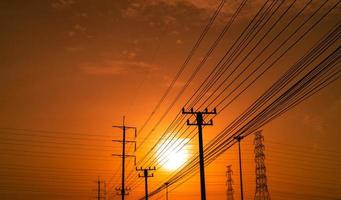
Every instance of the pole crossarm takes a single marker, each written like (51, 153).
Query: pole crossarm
(127, 141)
(144, 170)
(149, 168)
(209, 123)
(119, 190)
(126, 128)
(206, 112)
(148, 175)
(120, 155)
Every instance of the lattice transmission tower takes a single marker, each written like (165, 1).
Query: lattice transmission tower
(262, 192)
(229, 183)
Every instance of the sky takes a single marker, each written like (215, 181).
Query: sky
(71, 69)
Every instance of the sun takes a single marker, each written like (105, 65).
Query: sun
(173, 153)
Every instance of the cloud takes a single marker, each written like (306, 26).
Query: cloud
(335, 106)
(196, 3)
(73, 49)
(76, 30)
(140, 8)
(230, 6)
(315, 122)
(119, 67)
(129, 54)
(169, 19)
(167, 79)
(130, 12)
(175, 13)
(79, 28)
(60, 4)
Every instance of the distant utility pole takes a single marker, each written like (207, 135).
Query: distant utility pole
(101, 191)
(166, 190)
(262, 192)
(200, 123)
(123, 190)
(229, 183)
(146, 175)
(105, 191)
(239, 138)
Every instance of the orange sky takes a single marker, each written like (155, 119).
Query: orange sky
(70, 69)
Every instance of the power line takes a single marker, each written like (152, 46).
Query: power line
(183, 66)
(298, 88)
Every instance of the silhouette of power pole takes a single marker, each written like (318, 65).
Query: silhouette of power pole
(239, 138)
(229, 183)
(200, 123)
(166, 190)
(145, 175)
(262, 192)
(123, 189)
(101, 191)
(105, 191)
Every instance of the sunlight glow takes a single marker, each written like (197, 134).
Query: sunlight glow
(171, 156)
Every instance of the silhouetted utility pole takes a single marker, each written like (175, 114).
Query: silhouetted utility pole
(239, 138)
(200, 122)
(105, 191)
(99, 189)
(166, 190)
(123, 190)
(146, 175)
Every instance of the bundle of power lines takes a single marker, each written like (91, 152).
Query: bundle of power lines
(275, 30)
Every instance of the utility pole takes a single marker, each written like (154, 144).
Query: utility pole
(200, 123)
(123, 189)
(166, 190)
(239, 138)
(101, 190)
(262, 192)
(229, 183)
(105, 191)
(98, 189)
(146, 175)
